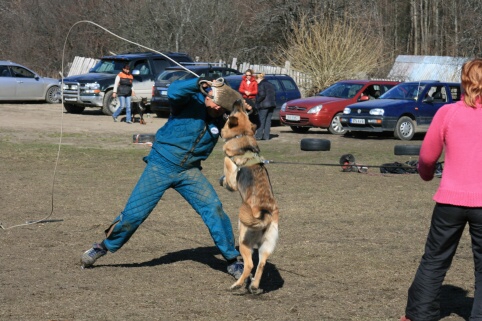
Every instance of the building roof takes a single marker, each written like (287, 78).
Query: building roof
(413, 68)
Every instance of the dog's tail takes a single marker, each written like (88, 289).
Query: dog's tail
(255, 218)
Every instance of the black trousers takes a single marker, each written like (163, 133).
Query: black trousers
(447, 225)
(264, 128)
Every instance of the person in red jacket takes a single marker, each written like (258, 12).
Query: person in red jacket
(249, 89)
(249, 86)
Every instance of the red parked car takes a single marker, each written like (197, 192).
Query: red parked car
(324, 110)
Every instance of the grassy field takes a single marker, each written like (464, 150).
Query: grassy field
(349, 242)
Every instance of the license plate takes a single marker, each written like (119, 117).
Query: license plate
(293, 117)
(70, 99)
(357, 121)
(163, 92)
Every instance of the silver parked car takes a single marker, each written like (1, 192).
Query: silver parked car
(18, 83)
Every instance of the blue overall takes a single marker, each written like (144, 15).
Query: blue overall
(187, 138)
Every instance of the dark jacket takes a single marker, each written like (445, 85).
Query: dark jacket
(125, 84)
(266, 97)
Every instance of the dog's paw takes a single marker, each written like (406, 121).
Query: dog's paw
(254, 290)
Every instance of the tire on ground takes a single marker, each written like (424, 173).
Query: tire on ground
(315, 144)
(407, 150)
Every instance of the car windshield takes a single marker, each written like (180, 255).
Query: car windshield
(404, 91)
(342, 90)
(109, 66)
(171, 75)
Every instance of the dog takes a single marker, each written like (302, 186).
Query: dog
(244, 171)
(139, 108)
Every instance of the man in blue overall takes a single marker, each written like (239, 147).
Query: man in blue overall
(187, 138)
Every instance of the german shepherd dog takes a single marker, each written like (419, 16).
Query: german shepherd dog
(139, 108)
(244, 171)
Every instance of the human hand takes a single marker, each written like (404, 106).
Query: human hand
(114, 95)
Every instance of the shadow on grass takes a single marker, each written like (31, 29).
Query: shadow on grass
(271, 279)
(454, 300)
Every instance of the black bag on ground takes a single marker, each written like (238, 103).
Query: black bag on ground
(409, 167)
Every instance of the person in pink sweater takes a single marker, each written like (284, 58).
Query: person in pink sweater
(457, 128)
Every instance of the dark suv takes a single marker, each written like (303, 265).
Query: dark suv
(94, 89)
(159, 101)
(286, 89)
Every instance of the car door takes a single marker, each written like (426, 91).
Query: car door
(145, 80)
(291, 91)
(435, 96)
(8, 84)
(28, 84)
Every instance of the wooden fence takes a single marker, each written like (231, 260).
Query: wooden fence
(82, 65)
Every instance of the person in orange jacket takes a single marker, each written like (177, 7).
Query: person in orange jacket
(123, 89)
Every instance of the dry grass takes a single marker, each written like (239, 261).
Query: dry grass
(349, 243)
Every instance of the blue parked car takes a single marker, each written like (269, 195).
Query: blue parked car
(285, 86)
(406, 109)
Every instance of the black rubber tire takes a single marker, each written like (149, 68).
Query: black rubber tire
(407, 150)
(405, 128)
(74, 109)
(298, 129)
(335, 126)
(108, 107)
(53, 95)
(315, 144)
(143, 138)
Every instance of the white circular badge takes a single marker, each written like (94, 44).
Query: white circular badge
(214, 130)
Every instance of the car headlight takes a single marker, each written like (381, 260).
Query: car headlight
(315, 109)
(347, 110)
(72, 87)
(377, 111)
(92, 88)
(283, 107)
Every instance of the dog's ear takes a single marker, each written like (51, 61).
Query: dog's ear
(233, 121)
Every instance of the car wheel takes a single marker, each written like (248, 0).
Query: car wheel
(73, 109)
(315, 144)
(143, 138)
(110, 105)
(405, 129)
(53, 95)
(407, 150)
(335, 126)
(298, 129)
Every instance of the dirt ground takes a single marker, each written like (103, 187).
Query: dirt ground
(349, 243)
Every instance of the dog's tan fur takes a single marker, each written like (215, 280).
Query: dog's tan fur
(245, 172)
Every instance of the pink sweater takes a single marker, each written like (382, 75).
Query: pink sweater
(459, 128)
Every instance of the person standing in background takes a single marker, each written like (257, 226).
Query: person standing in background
(455, 128)
(249, 89)
(124, 90)
(265, 104)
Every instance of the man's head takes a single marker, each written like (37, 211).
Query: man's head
(213, 109)
(126, 69)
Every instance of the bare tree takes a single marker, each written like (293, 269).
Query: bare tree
(331, 50)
